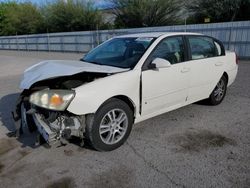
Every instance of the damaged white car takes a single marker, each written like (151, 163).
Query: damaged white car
(123, 81)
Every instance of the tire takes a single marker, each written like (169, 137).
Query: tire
(219, 92)
(110, 126)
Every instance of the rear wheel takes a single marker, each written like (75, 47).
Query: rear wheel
(219, 92)
(111, 125)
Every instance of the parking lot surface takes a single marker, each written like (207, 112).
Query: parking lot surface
(194, 146)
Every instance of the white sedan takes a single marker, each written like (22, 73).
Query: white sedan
(125, 80)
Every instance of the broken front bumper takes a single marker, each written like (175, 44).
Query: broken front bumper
(59, 130)
(53, 126)
(63, 126)
(49, 136)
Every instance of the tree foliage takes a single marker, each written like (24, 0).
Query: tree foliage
(71, 16)
(141, 13)
(23, 18)
(19, 17)
(59, 16)
(219, 10)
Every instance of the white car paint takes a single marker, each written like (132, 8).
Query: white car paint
(155, 96)
(162, 90)
(57, 68)
(94, 94)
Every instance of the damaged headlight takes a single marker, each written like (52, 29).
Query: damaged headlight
(52, 99)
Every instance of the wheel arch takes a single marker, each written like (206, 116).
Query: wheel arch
(125, 99)
(226, 76)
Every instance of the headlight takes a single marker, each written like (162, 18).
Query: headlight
(52, 99)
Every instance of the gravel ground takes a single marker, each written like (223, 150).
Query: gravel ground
(194, 146)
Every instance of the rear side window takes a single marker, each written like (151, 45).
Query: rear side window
(202, 47)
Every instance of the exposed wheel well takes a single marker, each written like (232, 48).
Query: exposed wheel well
(226, 76)
(127, 101)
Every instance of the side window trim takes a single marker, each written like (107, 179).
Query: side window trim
(147, 61)
(221, 46)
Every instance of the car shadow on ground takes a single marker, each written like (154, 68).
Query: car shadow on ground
(7, 105)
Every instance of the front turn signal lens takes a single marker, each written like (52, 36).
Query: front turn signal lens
(56, 100)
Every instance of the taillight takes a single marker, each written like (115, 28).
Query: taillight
(236, 59)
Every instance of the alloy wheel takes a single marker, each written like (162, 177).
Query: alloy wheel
(113, 126)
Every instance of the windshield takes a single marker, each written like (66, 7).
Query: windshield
(119, 52)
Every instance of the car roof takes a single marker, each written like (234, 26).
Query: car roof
(156, 34)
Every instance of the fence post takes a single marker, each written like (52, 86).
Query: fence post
(229, 38)
(48, 41)
(97, 35)
(241, 44)
(76, 44)
(62, 43)
(37, 43)
(246, 52)
(26, 45)
(92, 40)
(17, 42)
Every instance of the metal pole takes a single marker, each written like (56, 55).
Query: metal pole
(92, 40)
(76, 44)
(17, 42)
(62, 44)
(97, 33)
(26, 44)
(185, 24)
(229, 38)
(48, 40)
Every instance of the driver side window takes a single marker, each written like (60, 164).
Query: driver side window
(171, 49)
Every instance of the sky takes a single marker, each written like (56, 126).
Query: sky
(98, 3)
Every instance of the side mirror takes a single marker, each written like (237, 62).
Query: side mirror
(159, 63)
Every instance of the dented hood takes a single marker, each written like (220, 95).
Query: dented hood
(56, 68)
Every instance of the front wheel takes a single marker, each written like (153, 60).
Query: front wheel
(111, 125)
(219, 92)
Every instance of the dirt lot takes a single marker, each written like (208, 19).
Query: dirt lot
(195, 146)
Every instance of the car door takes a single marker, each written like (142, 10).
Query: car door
(165, 88)
(206, 66)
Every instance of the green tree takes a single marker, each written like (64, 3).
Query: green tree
(219, 10)
(72, 15)
(23, 18)
(3, 13)
(141, 13)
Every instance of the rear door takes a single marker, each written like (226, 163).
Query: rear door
(206, 66)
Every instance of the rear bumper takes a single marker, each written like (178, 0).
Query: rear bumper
(232, 75)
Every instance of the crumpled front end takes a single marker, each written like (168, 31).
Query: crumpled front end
(58, 127)
(54, 126)
(49, 88)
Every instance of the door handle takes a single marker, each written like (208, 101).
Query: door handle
(185, 69)
(218, 63)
